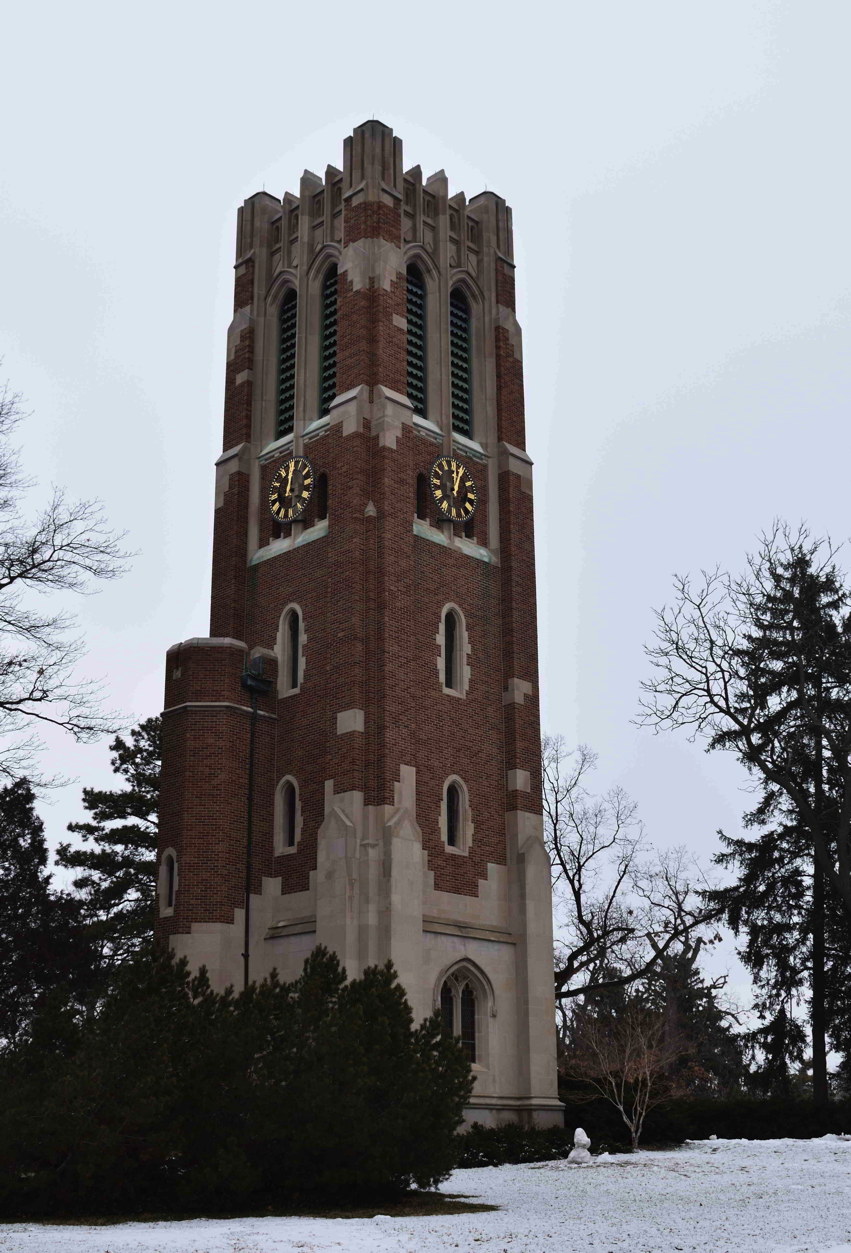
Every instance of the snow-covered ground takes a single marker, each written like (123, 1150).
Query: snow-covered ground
(722, 1196)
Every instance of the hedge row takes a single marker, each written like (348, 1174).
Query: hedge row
(736, 1118)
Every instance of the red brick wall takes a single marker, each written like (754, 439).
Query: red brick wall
(371, 593)
(203, 804)
(230, 548)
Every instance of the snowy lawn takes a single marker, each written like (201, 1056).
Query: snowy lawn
(723, 1196)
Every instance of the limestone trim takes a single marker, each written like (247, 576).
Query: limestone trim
(280, 845)
(299, 926)
(216, 704)
(516, 692)
(283, 647)
(231, 462)
(518, 781)
(167, 908)
(209, 641)
(350, 409)
(287, 542)
(282, 447)
(466, 828)
(461, 665)
(350, 720)
(425, 530)
(390, 412)
(497, 935)
(515, 461)
(375, 259)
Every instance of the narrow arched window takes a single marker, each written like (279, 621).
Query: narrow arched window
(453, 815)
(460, 363)
(416, 340)
(468, 1022)
(170, 868)
(447, 1009)
(286, 362)
(293, 649)
(288, 814)
(328, 341)
(450, 650)
(422, 496)
(321, 497)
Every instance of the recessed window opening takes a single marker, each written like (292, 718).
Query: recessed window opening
(447, 1008)
(328, 341)
(453, 815)
(468, 1022)
(422, 497)
(293, 648)
(289, 815)
(469, 528)
(460, 363)
(169, 881)
(322, 497)
(286, 362)
(450, 651)
(416, 318)
(459, 1012)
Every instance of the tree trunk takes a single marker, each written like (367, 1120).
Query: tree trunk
(818, 1012)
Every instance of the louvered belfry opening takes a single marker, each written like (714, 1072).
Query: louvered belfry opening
(286, 363)
(460, 363)
(416, 340)
(328, 342)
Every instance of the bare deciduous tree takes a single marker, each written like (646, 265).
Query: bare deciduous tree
(618, 910)
(626, 1055)
(67, 548)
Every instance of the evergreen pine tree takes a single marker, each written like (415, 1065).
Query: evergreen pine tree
(795, 662)
(39, 938)
(115, 869)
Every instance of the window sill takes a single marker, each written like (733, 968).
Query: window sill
(277, 546)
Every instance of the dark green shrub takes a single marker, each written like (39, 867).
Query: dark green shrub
(176, 1097)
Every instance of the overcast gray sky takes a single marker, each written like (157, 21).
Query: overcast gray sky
(679, 176)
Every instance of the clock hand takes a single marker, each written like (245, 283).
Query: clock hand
(288, 492)
(457, 480)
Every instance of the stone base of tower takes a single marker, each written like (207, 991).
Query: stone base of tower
(528, 1113)
(372, 898)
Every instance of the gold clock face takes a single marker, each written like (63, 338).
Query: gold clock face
(291, 489)
(453, 489)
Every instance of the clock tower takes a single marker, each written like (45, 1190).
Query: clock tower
(352, 757)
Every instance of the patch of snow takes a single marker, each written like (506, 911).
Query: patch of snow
(730, 1196)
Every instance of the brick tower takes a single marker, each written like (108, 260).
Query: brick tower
(371, 669)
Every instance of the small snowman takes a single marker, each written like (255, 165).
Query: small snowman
(579, 1154)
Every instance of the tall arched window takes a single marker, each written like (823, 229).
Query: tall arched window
(450, 650)
(321, 497)
(288, 817)
(460, 363)
(454, 652)
(328, 341)
(170, 867)
(288, 814)
(286, 362)
(454, 820)
(293, 649)
(459, 1011)
(167, 882)
(416, 340)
